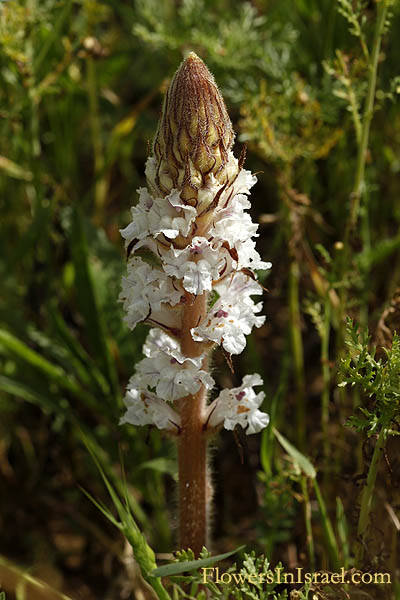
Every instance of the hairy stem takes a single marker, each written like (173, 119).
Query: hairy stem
(194, 488)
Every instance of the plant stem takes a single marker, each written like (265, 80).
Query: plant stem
(326, 377)
(297, 350)
(101, 183)
(367, 493)
(366, 123)
(358, 186)
(327, 528)
(307, 519)
(352, 98)
(194, 488)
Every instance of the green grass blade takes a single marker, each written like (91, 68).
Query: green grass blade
(28, 240)
(53, 35)
(34, 588)
(327, 528)
(84, 364)
(343, 532)
(53, 372)
(88, 301)
(191, 565)
(143, 553)
(29, 394)
(102, 508)
(298, 458)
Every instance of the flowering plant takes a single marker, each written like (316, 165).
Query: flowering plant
(190, 276)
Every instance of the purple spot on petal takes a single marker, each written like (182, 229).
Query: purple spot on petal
(173, 361)
(240, 395)
(220, 313)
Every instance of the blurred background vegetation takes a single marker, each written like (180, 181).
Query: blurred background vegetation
(81, 86)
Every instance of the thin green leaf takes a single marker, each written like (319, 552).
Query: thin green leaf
(102, 508)
(343, 532)
(30, 237)
(88, 301)
(33, 587)
(29, 394)
(87, 369)
(53, 372)
(191, 565)
(144, 555)
(327, 528)
(161, 465)
(53, 35)
(298, 458)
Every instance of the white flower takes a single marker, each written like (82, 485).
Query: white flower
(191, 234)
(171, 216)
(153, 216)
(244, 181)
(166, 370)
(147, 291)
(139, 226)
(197, 265)
(233, 316)
(232, 225)
(248, 256)
(144, 408)
(239, 406)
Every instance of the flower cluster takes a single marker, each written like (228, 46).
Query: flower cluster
(191, 237)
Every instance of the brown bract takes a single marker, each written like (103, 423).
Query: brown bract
(195, 133)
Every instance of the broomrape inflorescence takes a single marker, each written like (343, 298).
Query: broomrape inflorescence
(190, 276)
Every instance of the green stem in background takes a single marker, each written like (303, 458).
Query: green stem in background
(352, 98)
(367, 493)
(343, 533)
(326, 376)
(363, 136)
(358, 190)
(327, 528)
(307, 520)
(297, 351)
(331, 11)
(366, 122)
(101, 185)
(365, 267)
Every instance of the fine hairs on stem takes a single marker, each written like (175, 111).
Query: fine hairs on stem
(190, 272)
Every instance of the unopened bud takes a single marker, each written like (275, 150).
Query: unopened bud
(195, 133)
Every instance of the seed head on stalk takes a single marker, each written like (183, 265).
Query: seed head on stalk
(190, 240)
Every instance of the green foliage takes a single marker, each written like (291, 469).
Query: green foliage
(300, 462)
(354, 13)
(242, 583)
(253, 565)
(186, 562)
(141, 550)
(232, 37)
(378, 379)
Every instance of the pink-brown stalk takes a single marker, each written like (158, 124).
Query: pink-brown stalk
(194, 486)
(193, 140)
